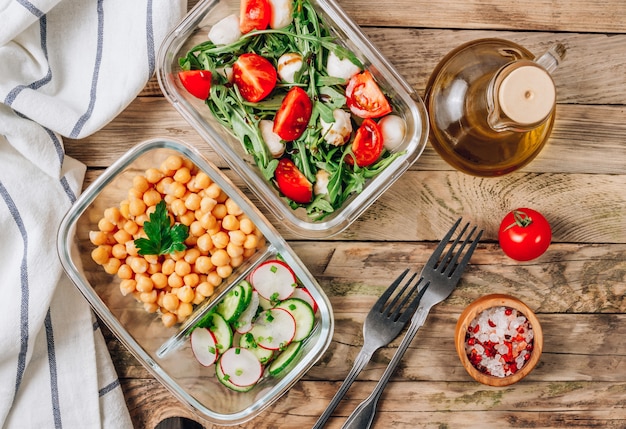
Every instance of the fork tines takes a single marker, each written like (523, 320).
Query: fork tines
(448, 264)
(392, 308)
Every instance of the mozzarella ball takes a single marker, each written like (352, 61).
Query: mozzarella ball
(288, 65)
(225, 31)
(282, 13)
(337, 133)
(274, 143)
(393, 129)
(321, 182)
(341, 68)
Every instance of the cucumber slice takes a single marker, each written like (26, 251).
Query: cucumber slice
(263, 355)
(274, 329)
(241, 366)
(204, 346)
(243, 323)
(305, 295)
(303, 315)
(222, 332)
(285, 358)
(274, 280)
(233, 304)
(225, 380)
(265, 304)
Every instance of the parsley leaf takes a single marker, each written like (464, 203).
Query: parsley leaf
(162, 238)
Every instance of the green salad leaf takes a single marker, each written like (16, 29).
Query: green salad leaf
(163, 237)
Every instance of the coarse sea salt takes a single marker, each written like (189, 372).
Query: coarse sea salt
(499, 341)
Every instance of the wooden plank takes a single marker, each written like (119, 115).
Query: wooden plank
(558, 15)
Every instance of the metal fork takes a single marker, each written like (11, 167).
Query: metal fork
(442, 274)
(382, 325)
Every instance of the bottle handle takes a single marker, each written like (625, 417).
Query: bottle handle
(551, 59)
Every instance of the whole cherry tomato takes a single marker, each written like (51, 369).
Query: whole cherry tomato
(254, 15)
(292, 183)
(365, 98)
(524, 234)
(255, 76)
(293, 115)
(196, 82)
(367, 145)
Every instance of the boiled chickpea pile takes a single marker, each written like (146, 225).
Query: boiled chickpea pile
(220, 238)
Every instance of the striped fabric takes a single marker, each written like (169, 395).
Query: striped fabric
(67, 67)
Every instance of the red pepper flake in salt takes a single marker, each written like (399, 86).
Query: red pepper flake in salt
(499, 341)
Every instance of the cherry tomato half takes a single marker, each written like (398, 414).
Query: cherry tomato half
(293, 115)
(254, 15)
(367, 145)
(524, 234)
(196, 82)
(292, 183)
(255, 76)
(364, 97)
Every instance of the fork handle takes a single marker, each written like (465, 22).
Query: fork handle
(363, 416)
(359, 363)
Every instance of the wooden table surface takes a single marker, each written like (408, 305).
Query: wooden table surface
(577, 288)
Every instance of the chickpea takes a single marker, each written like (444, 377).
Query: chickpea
(246, 225)
(236, 261)
(191, 255)
(131, 249)
(134, 193)
(177, 189)
(224, 271)
(119, 251)
(213, 191)
(141, 219)
(131, 227)
(152, 197)
(153, 175)
(149, 297)
(193, 202)
(237, 237)
(232, 207)
(248, 252)
(173, 162)
(170, 302)
(234, 250)
(205, 243)
(139, 265)
(220, 258)
(203, 264)
(98, 238)
(168, 266)
(185, 294)
(230, 222)
(106, 226)
(144, 283)
(125, 272)
(112, 266)
(137, 207)
(195, 229)
(198, 298)
(178, 207)
(208, 221)
(205, 288)
(202, 180)
(207, 204)
(169, 319)
(191, 279)
(159, 280)
(150, 307)
(140, 183)
(182, 175)
(155, 268)
(125, 209)
(182, 267)
(174, 280)
(121, 236)
(214, 279)
(127, 286)
(252, 241)
(187, 218)
(220, 240)
(151, 259)
(113, 215)
(101, 254)
(184, 311)
(219, 211)
(163, 185)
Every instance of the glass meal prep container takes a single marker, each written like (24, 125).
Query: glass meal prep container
(405, 102)
(166, 352)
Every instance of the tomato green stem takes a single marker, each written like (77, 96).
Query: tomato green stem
(521, 219)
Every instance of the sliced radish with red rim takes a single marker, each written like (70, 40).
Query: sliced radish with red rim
(274, 280)
(305, 295)
(204, 346)
(274, 329)
(241, 366)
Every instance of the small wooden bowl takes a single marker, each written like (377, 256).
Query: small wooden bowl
(471, 312)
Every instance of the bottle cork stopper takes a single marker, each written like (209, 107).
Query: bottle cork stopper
(527, 95)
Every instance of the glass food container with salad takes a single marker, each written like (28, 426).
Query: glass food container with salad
(298, 102)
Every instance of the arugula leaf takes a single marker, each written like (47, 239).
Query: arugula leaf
(162, 238)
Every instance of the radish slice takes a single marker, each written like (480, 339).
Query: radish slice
(274, 329)
(241, 366)
(203, 346)
(305, 296)
(244, 323)
(274, 280)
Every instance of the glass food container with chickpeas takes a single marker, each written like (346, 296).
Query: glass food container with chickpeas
(152, 274)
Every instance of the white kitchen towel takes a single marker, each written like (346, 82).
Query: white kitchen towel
(67, 68)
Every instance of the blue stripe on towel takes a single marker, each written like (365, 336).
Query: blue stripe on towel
(43, 32)
(52, 364)
(21, 360)
(96, 71)
(109, 387)
(150, 44)
(31, 8)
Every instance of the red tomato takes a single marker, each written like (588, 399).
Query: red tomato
(367, 145)
(293, 116)
(524, 234)
(255, 76)
(365, 99)
(254, 15)
(196, 82)
(292, 183)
